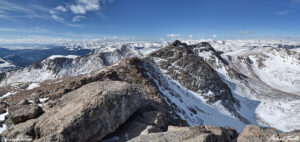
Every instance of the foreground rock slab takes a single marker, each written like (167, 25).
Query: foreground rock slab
(190, 134)
(91, 112)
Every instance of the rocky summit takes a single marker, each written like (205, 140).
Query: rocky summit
(176, 93)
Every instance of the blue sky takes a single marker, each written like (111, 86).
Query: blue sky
(150, 19)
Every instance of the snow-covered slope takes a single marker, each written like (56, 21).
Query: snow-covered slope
(269, 76)
(195, 90)
(6, 66)
(278, 68)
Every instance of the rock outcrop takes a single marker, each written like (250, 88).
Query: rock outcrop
(190, 134)
(252, 133)
(121, 100)
(183, 65)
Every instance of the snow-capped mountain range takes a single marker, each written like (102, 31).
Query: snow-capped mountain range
(59, 66)
(255, 82)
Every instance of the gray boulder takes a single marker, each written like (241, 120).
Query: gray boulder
(21, 113)
(24, 131)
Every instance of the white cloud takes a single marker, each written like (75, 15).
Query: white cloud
(54, 15)
(78, 9)
(57, 18)
(52, 12)
(214, 36)
(245, 32)
(190, 36)
(173, 35)
(83, 6)
(78, 18)
(61, 8)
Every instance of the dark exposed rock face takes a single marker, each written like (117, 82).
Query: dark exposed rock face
(182, 64)
(57, 64)
(3, 107)
(2, 76)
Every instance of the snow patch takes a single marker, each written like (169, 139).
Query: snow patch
(43, 99)
(2, 118)
(33, 85)
(62, 56)
(7, 94)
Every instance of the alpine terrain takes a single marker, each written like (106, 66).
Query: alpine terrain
(193, 90)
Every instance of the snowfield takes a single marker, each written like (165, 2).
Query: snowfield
(272, 80)
(280, 71)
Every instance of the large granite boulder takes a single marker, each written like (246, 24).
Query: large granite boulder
(93, 111)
